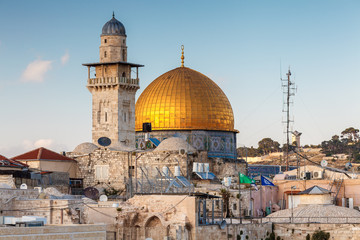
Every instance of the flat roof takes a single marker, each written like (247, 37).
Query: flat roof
(112, 63)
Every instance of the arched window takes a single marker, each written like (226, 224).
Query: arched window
(123, 74)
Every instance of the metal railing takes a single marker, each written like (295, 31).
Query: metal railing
(330, 220)
(113, 81)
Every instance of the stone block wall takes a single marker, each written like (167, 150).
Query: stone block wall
(232, 231)
(65, 232)
(299, 231)
(56, 211)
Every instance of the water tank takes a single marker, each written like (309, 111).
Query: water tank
(165, 171)
(206, 167)
(195, 167)
(177, 171)
(201, 167)
(226, 181)
(229, 181)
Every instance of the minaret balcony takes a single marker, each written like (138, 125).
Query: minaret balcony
(113, 81)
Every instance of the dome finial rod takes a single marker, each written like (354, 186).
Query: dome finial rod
(182, 56)
(113, 14)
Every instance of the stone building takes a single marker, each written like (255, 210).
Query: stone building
(113, 87)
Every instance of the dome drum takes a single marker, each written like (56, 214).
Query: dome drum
(218, 144)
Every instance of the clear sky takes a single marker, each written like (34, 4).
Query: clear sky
(241, 45)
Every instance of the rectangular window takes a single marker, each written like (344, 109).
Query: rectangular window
(98, 116)
(101, 172)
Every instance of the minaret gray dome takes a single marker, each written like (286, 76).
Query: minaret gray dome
(113, 27)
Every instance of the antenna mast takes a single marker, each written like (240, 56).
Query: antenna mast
(288, 91)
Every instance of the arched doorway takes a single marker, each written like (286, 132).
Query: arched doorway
(154, 229)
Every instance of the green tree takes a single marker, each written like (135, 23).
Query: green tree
(267, 145)
(225, 194)
(320, 235)
(352, 134)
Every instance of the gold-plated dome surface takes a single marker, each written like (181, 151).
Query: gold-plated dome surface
(184, 99)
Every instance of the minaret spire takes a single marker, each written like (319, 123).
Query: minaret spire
(182, 56)
(113, 14)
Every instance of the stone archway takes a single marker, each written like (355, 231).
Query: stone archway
(136, 232)
(154, 229)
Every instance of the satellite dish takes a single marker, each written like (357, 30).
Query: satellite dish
(324, 163)
(91, 192)
(348, 165)
(103, 198)
(23, 186)
(222, 225)
(104, 141)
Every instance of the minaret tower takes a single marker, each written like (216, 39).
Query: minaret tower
(113, 87)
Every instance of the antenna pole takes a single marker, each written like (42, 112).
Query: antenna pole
(288, 90)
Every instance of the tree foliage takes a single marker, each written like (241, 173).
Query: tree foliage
(225, 194)
(267, 145)
(348, 143)
(320, 235)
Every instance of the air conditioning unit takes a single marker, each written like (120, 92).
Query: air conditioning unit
(317, 175)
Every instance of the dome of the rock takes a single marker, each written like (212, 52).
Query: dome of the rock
(184, 99)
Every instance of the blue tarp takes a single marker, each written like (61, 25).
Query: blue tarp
(155, 141)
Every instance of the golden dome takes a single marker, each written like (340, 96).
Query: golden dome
(184, 99)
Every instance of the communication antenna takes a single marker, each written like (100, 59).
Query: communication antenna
(288, 91)
(324, 163)
(104, 141)
(103, 198)
(92, 193)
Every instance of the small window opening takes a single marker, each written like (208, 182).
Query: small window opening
(105, 54)
(123, 54)
(123, 74)
(124, 116)
(106, 117)
(105, 40)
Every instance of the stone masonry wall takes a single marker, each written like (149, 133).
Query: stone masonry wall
(231, 232)
(65, 232)
(56, 211)
(299, 231)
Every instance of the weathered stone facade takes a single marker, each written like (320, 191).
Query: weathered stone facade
(115, 165)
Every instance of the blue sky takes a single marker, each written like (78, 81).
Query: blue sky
(238, 44)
